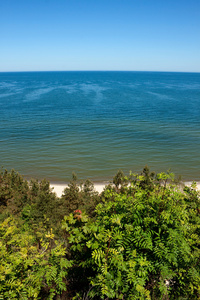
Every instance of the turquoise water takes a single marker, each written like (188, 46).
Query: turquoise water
(94, 123)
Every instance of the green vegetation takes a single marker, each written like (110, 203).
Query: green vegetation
(139, 239)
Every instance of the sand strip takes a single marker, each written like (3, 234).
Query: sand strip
(188, 183)
(59, 188)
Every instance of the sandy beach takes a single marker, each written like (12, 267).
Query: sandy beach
(59, 188)
(188, 183)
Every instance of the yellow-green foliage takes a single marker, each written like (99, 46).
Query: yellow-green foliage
(28, 270)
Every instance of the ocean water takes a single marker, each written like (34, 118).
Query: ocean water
(95, 123)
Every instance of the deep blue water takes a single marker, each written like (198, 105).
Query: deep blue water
(95, 123)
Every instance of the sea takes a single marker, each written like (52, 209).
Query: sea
(96, 123)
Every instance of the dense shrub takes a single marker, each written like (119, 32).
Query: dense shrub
(143, 244)
(139, 239)
(30, 270)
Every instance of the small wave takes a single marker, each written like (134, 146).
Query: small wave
(6, 95)
(160, 96)
(37, 93)
(98, 90)
(7, 85)
(70, 89)
(189, 86)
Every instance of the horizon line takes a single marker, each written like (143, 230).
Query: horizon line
(31, 71)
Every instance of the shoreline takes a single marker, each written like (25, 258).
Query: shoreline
(58, 188)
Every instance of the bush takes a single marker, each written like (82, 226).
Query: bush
(143, 244)
(139, 239)
(30, 270)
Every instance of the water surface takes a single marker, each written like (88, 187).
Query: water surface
(95, 123)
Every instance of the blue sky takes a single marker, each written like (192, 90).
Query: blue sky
(143, 35)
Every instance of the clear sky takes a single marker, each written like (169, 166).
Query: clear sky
(143, 35)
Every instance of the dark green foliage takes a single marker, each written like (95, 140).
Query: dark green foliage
(35, 201)
(70, 198)
(44, 203)
(79, 196)
(13, 191)
(90, 197)
(118, 179)
(148, 181)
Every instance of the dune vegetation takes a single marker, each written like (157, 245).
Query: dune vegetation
(138, 239)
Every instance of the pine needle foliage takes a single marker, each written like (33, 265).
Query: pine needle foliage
(79, 196)
(13, 191)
